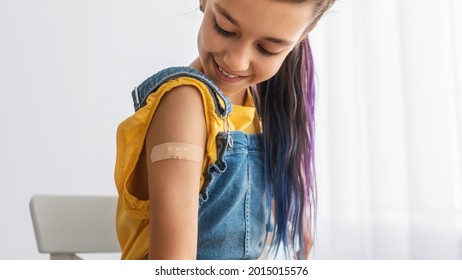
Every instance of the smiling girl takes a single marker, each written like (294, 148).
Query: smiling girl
(218, 158)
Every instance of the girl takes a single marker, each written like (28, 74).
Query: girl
(219, 154)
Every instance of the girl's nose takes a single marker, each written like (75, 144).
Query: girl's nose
(237, 57)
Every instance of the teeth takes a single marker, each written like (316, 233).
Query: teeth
(227, 74)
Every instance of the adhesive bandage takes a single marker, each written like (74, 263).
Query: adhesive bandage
(175, 150)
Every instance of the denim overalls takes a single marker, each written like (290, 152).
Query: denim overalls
(233, 213)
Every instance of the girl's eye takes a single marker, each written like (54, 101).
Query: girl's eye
(265, 52)
(223, 32)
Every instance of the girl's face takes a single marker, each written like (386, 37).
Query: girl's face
(244, 42)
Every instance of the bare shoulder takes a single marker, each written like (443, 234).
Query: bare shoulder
(179, 117)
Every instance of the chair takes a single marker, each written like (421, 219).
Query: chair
(66, 225)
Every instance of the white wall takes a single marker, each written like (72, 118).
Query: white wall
(66, 72)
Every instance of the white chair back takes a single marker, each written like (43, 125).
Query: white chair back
(66, 225)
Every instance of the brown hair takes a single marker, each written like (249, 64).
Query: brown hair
(320, 8)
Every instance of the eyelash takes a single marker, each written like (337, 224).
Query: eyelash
(223, 32)
(227, 34)
(264, 52)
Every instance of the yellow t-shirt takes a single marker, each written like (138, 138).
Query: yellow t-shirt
(132, 217)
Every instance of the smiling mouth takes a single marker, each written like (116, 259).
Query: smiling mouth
(227, 74)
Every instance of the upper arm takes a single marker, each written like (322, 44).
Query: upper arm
(174, 184)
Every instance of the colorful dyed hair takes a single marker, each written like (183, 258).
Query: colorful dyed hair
(286, 106)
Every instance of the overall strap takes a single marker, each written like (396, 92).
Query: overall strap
(151, 84)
